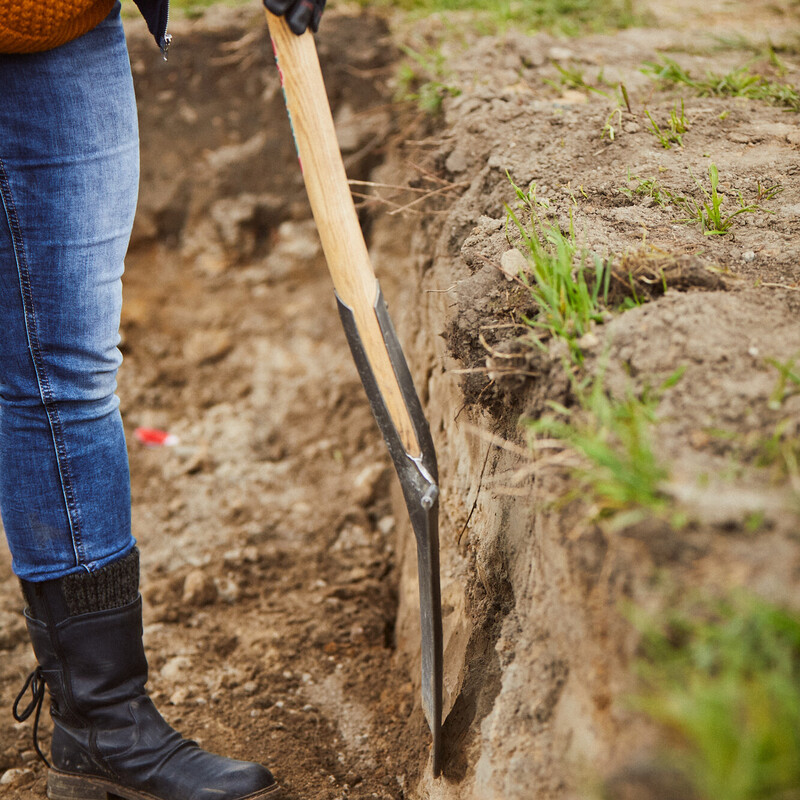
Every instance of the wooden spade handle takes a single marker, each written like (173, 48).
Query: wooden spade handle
(333, 209)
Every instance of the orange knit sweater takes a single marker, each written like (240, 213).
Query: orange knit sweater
(30, 26)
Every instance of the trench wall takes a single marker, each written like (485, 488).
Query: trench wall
(536, 648)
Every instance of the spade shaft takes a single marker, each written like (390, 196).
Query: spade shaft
(373, 341)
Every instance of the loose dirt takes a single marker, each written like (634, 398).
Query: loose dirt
(277, 570)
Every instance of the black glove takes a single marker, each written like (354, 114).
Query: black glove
(300, 14)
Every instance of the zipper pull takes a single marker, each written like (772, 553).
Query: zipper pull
(166, 43)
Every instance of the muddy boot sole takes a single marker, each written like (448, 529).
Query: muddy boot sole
(62, 786)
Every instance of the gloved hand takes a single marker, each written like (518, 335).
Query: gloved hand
(300, 14)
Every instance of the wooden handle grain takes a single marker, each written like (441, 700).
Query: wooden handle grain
(333, 209)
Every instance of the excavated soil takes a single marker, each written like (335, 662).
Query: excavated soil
(278, 569)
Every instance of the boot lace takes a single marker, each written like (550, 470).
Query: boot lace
(34, 682)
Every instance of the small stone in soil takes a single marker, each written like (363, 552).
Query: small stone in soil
(175, 668)
(357, 634)
(199, 589)
(512, 263)
(386, 525)
(16, 776)
(250, 554)
(179, 696)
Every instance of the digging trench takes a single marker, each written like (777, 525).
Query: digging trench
(281, 613)
(279, 575)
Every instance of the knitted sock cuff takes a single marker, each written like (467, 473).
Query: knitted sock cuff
(112, 586)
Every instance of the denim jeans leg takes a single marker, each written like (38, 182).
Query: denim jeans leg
(68, 183)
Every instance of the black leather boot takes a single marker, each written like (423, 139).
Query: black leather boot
(109, 741)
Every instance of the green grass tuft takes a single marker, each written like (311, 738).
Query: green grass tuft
(708, 210)
(646, 187)
(705, 208)
(571, 77)
(567, 283)
(725, 680)
(196, 8)
(620, 471)
(677, 125)
(422, 80)
(569, 17)
(739, 82)
(788, 382)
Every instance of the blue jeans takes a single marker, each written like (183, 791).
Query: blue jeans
(69, 170)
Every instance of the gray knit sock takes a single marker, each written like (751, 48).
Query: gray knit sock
(113, 586)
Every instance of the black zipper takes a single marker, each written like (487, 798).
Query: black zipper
(164, 38)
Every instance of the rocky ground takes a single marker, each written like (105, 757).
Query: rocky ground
(277, 571)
